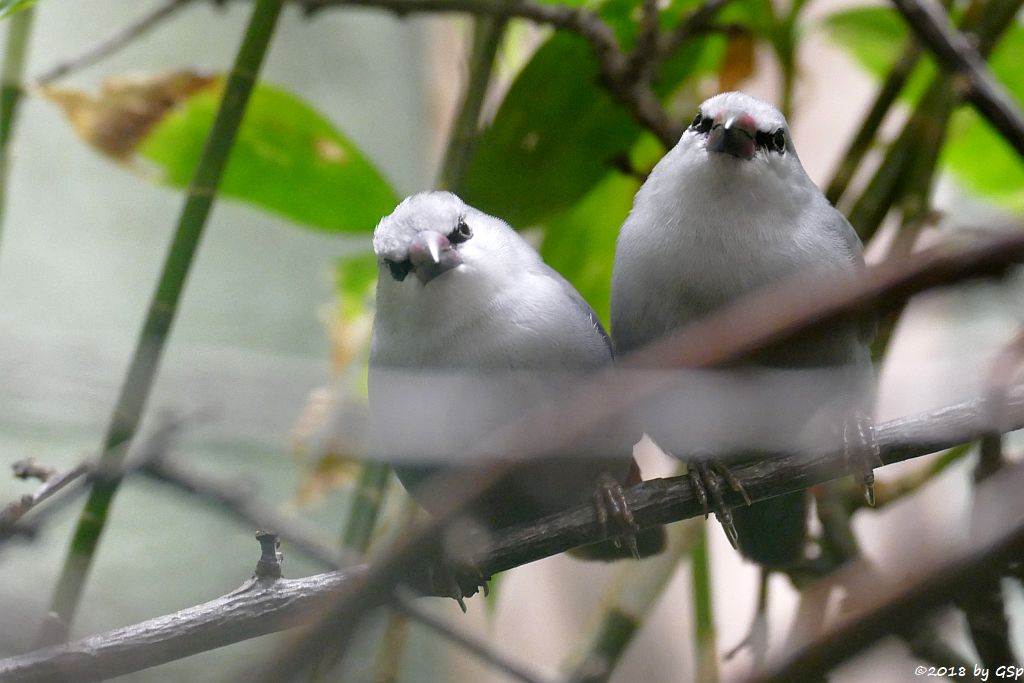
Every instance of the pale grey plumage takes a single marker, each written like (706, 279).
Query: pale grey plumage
(502, 308)
(496, 307)
(727, 211)
(706, 228)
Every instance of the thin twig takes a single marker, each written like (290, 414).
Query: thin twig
(861, 143)
(114, 42)
(15, 510)
(241, 504)
(887, 607)
(956, 54)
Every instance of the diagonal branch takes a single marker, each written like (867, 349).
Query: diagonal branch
(258, 608)
(120, 38)
(956, 54)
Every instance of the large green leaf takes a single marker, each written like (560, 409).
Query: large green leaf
(554, 136)
(287, 158)
(580, 243)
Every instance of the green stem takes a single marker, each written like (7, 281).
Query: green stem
(487, 35)
(703, 611)
(862, 142)
(160, 316)
(18, 31)
(366, 504)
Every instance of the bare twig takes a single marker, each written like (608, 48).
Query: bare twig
(956, 54)
(890, 606)
(861, 143)
(54, 483)
(240, 502)
(114, 42)
(243, 505)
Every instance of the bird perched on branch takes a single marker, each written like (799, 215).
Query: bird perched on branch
(460, 291)
(725, 212)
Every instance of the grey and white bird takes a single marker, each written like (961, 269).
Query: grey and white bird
(727, 211)
(459, 290)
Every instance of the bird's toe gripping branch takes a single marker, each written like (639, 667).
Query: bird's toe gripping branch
(458, 582)
(861, 451)
(612, 510)
(707, 476)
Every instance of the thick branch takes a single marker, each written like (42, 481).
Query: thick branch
(955, 53)
(260, 608)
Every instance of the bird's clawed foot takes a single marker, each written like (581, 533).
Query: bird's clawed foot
(456, 581)
(612, 509)
(861, 451)
(706, 475)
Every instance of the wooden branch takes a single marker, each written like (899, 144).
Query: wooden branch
(256, 608)
(118, 40)
(956, 54)
(261, 607)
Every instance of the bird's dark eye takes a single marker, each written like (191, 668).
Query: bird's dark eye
(779, 141)
(399, 269)
(461, 233)
(701, 123)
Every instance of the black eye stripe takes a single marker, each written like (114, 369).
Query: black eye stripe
(701, 123)
(772, 142)
(399, 269)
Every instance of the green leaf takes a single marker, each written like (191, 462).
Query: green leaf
(873, 36)
(287, 159)
(9, 7)
(354, 278)
(580, 243)
(977, 156)
(554, 136)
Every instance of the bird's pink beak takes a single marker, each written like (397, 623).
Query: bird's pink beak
(431, 254)
(734, 133)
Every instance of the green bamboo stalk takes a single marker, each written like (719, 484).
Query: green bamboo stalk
(703, 611)
(19, 28)
(160, 316)
(367, 500)
(488, 33)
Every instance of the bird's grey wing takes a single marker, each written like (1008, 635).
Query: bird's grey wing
(836, 224)
(582, 306)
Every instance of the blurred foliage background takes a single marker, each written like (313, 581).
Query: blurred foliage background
(355, 109)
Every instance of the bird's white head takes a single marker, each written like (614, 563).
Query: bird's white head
(740, 134)
(437, 238)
